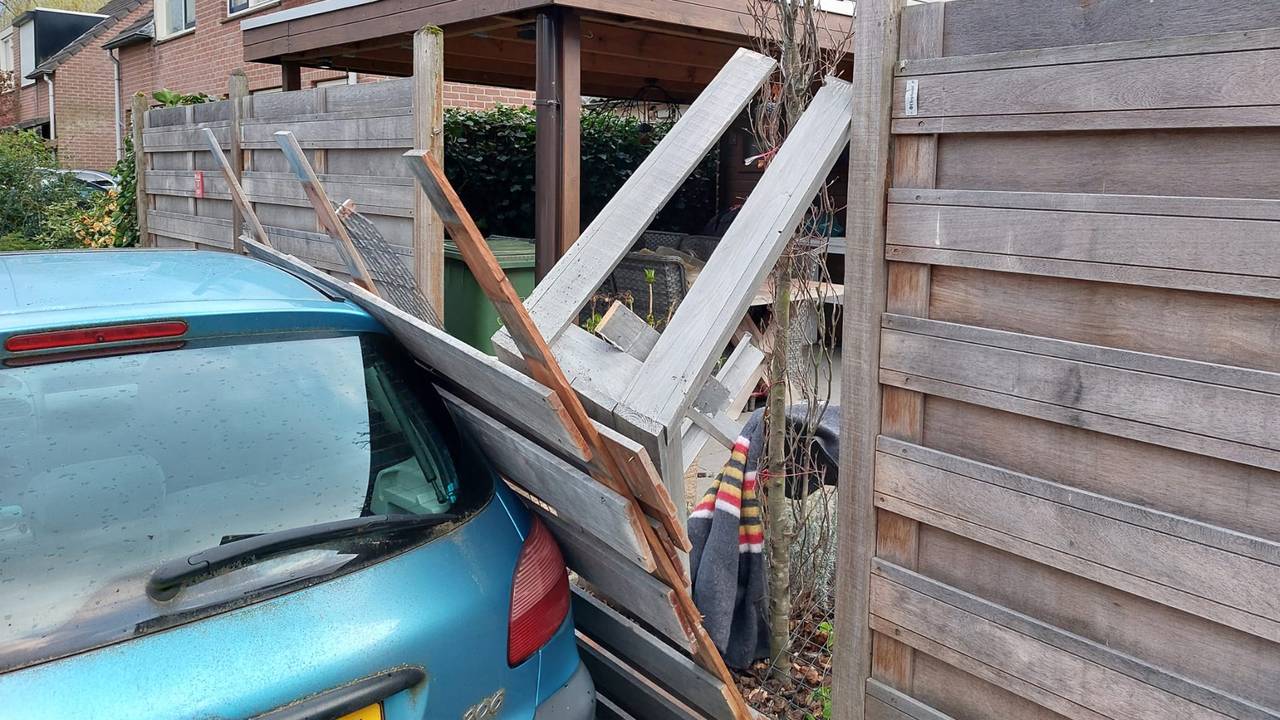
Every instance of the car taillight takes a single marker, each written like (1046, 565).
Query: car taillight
(81, 337)
(539, 595)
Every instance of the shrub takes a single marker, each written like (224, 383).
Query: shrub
(30, 189)
(489, 157)
(124, 216)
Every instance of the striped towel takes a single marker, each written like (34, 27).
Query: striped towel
(726, 562)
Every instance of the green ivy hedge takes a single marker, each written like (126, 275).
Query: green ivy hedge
(489, 158)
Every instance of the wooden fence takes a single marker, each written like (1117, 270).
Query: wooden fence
(353, 134)
(1061, 495)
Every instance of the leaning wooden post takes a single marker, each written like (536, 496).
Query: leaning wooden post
(428, 134)
(237, 91)
(865, 287)
(238, 197)
(138, 119)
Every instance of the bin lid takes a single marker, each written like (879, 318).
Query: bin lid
(511, 252)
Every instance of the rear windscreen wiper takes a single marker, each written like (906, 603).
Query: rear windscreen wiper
(170, 578)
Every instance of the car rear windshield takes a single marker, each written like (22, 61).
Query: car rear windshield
(110, 467)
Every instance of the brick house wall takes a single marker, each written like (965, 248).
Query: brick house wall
(198, 61)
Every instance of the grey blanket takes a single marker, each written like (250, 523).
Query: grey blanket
(730, 585)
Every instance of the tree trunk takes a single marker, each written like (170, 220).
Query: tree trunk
(777, 514)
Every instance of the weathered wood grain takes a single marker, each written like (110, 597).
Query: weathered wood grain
(1229, 590)
(577, 499)
(675, 672)
(628, 689)
(1266, 116)
(1211, 328)
(1223, 660)
(865, 287)
(964, 695)
(706, 318)
(1191, 207)
(1264, 38)
(568, 287)
(623, 329)
(1212, 245)
(1102, 680)
(898, 705)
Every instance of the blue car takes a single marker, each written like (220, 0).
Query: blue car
(227, 494)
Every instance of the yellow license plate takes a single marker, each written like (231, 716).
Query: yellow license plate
(371, 712)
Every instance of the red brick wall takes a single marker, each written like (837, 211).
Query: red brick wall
(482, 97)
(84, 112)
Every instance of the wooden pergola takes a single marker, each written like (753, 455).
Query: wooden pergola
(562, 49)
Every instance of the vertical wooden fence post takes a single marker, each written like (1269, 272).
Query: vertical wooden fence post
(428, 135)
(237, 91)
(865, 284)
(138, 118)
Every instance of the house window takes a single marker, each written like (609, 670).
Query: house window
(6, 50)
(238, 6)
(174, 16)
(27, 50)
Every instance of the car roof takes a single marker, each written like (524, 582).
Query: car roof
(70, 288)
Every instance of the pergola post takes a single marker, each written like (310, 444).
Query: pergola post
(557, 176)
(290, 77)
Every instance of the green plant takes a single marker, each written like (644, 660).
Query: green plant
(821, 695)
(489, 157)
(124, 217)
(173, 98)
(30, 186)
(650, 277)
(60, 223)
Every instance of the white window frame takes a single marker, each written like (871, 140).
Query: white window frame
(6, 49)
(247, 6)
(27, 52)
(161, 9)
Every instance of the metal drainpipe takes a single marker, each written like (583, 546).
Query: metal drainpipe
(53, 128)
(115, 68)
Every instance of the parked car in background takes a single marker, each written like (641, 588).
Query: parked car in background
(87, 182)
(224, 493)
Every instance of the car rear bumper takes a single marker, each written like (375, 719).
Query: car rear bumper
(575, 700)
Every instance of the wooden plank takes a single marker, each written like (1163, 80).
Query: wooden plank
(740, 373)
(577, 499)
(1076, 670)
(905, 706)
(1192, 207)
(238, 198)
(1223, 117)
(623, 583)
(1240, 247)
(326, 215)
(1243, 499)
(1211, 373)
(629, 690)
(1070, 539)
(568, 287)
(1221, 329)
(964, 695)
(642, 478)
(1047, 23)
(1213, 162)
(706, 318)
(141, 166)
(237, 91)
(478, 378)
(1248, 286)
(373, 195)
(428, 133)
(1203, 652)
(1228, 421)
(675, 672)
(627, 331)
(866, 287)
(1235, 41)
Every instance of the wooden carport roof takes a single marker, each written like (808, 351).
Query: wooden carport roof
(679, 44)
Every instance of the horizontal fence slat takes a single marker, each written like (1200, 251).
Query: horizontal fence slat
(1071, 667)
(1239, 247)
(1186, 81)
(372, 132)
(1248, 286)
(1199, 207)
(1168, 119)
(628, 690)
(1049, 533)
(1205, 372)
(1241, 417)
(903, 706)
(1236, 41)
(372, 195)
